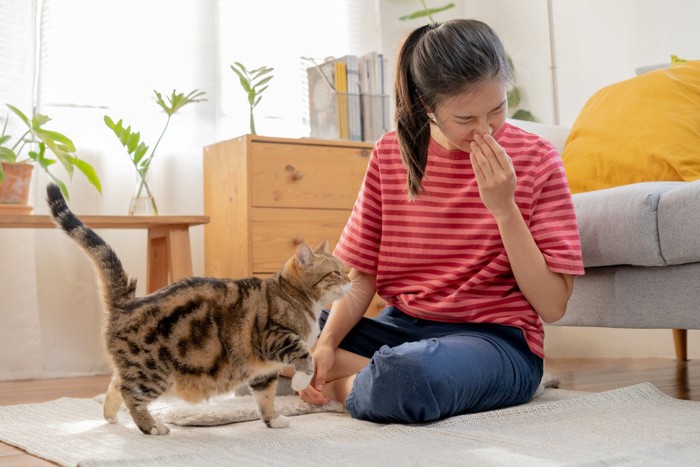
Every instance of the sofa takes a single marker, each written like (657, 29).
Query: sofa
(641, 252)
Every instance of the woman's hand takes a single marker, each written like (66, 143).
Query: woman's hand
(324, 358)
(494, 173)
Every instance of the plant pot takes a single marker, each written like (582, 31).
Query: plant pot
(14, 189)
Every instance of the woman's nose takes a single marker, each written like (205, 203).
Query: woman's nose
(485, 128)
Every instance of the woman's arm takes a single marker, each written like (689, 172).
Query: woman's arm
(548, 292)
(345, 313)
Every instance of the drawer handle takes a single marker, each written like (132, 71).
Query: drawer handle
(298, 240)
(296, 174)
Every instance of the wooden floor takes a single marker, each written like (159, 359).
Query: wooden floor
(678, 380)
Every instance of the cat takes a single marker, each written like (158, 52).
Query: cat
(199, 337)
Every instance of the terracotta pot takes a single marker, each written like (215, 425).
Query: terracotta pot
(14, 189)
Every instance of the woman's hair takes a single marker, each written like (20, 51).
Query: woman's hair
(435, 62)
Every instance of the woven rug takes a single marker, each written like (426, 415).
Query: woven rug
(636, 425)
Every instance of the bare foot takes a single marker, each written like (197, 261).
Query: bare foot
(339, 389)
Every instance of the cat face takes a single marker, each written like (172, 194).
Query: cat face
(322, 272)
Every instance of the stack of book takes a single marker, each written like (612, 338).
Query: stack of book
(348, 98)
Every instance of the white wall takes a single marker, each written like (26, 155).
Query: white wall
(597, 42)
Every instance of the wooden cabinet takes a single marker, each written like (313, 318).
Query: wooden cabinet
(264, 196)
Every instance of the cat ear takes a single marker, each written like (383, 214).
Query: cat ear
(304, 256)
(322, 247)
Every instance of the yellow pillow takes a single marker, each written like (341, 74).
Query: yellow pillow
(643, 129)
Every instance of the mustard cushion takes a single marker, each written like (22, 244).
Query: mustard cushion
(643, 129)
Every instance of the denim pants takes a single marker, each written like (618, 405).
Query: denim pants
(422, 370)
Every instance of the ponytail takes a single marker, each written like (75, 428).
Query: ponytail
(412, 123)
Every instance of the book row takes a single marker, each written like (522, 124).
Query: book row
(348, 98)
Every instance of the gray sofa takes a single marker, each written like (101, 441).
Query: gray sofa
(641, 251)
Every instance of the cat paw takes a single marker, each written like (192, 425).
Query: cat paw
(159, 429)
(301, 380)
(279, 421)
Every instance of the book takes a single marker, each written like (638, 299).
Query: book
(347, 98)
(384, 86)
(341, 90)
(381, 86)
(365, 68)
(323, 102)
(353, 91)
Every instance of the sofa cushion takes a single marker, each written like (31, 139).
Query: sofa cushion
(679, 224)
(619, 225)
(642, 129)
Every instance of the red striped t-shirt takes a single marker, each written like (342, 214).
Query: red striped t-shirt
(440, 257)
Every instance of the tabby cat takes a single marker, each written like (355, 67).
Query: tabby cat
(204, 336)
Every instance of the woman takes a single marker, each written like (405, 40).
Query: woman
(465, 225)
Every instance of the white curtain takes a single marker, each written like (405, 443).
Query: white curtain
(99, 58)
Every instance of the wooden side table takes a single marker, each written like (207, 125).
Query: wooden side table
(169, 252)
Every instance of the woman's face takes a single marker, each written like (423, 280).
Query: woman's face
(458, 118)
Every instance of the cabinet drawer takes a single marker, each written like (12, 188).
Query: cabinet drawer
(302, 176)
(276, 233)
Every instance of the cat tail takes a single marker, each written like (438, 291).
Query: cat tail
(117, 288)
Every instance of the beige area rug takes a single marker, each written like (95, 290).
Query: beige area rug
(636, 425)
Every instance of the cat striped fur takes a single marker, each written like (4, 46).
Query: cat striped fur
(199, 337)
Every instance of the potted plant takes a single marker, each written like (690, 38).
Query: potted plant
(39, 144)
(253, 82)
(143, 201)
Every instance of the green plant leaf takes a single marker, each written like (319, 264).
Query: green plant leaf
(513, 96)
(20, 115)
(177, 100)
(261, 72)
(39, 120)
(262, 82)
(63, 142)
(58, 147)
(524, 115)
(243, 79)
(130, 141)
(426, 12)
(242, 68)
(89, 173)
(7, 155)
(260, 91)
(139, 152)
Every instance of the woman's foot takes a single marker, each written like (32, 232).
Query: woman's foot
(339, 389)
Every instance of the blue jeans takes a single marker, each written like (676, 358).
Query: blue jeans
(421, 370)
